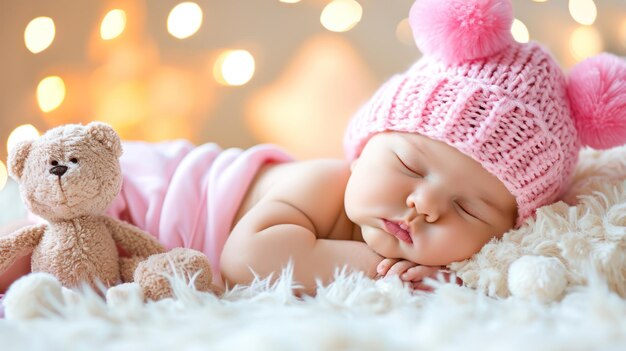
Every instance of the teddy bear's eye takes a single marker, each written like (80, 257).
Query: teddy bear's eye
(74, 160)
(54, 163)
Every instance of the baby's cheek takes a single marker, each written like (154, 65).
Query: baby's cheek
(360, 203)
(465, 244)
(381, 243)
(443, 245)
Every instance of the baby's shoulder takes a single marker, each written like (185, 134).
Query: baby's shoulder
(321, 168)
(314, 181)
(315, 188)
(309, 185)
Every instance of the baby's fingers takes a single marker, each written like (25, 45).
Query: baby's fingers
(384, 266)
(418, 273)
(399, 268)
(421, 287)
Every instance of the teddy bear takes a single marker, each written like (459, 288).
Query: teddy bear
(68, 177)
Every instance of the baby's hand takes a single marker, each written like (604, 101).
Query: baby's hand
(411, 272)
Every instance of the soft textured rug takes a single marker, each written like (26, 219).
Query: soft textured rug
(353, 313)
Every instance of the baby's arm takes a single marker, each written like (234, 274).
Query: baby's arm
(287, 234)
(291, 223)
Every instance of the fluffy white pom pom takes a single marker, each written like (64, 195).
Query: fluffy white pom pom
(537, 277)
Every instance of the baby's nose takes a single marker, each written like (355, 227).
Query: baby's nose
(427, 200)
(58, 170)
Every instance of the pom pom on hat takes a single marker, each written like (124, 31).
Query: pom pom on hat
(461, 30)
(597, 93)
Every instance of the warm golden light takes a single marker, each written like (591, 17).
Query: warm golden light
(290, 1)
(585, 42)
(113, 24)
(3, 175)
(520, 31)
(341, 15)
(623, 34)
(184, 20)
(234, 67)
(123, 105)
(306, 109)
(583, 11)
(404, 33)
(39, 34)
(21, 133)
(50, 93)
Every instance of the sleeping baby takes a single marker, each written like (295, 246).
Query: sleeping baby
(462, 147)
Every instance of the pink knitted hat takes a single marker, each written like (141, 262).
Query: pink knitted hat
(507, 105)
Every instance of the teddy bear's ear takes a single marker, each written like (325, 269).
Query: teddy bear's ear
(17, 158)
(106, 135)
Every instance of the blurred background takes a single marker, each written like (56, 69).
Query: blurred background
(234, 72)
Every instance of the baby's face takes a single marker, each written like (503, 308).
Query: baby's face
(424, 201)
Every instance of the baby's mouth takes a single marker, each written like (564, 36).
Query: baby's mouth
(399, 230)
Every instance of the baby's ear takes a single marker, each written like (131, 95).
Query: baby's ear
(106, 135)
(17, 158)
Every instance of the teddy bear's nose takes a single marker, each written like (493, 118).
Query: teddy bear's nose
(58, 170)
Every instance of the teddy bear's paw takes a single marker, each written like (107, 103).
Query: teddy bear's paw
(539, 278)
(128, 265)
(154, 273)
(32, 296)
(124, 295)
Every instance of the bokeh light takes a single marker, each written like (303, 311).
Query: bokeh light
(341, 15)
(540, 0)
(3, 175)
(234, 67)
(113, 24)
(583, 11)
(404, 33)
(39, 34)
(50, 93)
(585, 42)
(21, 133)
(184, 20)
(290, 1)
(520, 31)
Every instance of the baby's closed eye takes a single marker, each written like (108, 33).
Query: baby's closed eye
(467, 209)
(410, 168)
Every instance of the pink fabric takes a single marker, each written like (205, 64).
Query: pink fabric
(188, 196)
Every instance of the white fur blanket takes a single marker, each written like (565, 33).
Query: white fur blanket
(356, 313)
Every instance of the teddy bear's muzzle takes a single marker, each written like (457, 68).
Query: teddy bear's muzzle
(58, 170)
